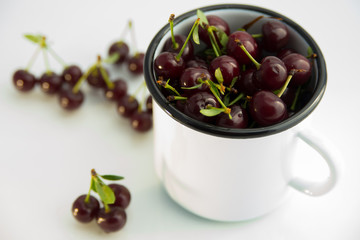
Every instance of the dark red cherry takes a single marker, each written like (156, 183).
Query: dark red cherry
(50, 82)
(239, 118)
(96, 79)
(136, 63)
(119, 90)
(122, 195)
(288, 96)
(198, 101)
(284, 52)
(71, 74)
(127, 106)
(167, 66)
(266, 108)
(23, 80)
(234, 50)
(245, 83)
(301, 63)
(68, 99)
(85, 211)
(188, 52)
(190, 78)
(112, 220)
(120, 48)
(141, 121)
(271, 75)
(275, 35)
(196, 62)
(229, 68)
(217, 22)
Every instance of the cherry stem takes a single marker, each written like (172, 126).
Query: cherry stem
(293, 105)
(78, 84)
(56, 57)
(175, 98)
(166, 85)
(213, 41)
(87, 198)
(241, 45)
(104, 74)
(249, 24)
(33, 58)
(187, 40)
(258, 35)
(226, 109)
(175, 45)
(46, 61)
(288, 79)
(240, 96)
(133, 37)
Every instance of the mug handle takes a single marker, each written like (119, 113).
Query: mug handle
(329, 154)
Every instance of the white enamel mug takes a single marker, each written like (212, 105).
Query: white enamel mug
(235, 174)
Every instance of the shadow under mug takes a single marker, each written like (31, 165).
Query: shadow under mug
(235, 174)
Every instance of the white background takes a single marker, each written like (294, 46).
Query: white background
(46, 154)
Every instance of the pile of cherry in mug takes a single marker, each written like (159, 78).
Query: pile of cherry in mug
(234, 79)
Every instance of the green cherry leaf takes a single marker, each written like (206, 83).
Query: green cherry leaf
(211, 112)
(214, 89)
(233, 82)
(112, 177)
(219, 76)
(195, 35)
(223, 38)
(33, 38)
(310, 52)
(203, 20)
(105, 192)
(193, 87)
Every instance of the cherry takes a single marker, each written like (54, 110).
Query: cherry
(217, 22)
(111, 220)
(120, 48)
(167, 66)
(301, 63)
(127, 105)
(228, 66)
(288, 96)
(122, 195)
(284, 52)
(23, 80)
(271, 75)
(180, 41)
(266, 108)
(71, 74)
(275, 35)
(96, 79)
(50, 82)
(136, 63)
(196, 62)
(236, 52)
(239, 118)
(85, 210)
(190, 78)
(141, 121)
(197, 102)
(245, 83)
(118, 91)
(69, 99)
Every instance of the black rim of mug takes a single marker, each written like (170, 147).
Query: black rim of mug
(318, 92)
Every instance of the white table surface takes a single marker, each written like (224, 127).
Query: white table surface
(46, 154)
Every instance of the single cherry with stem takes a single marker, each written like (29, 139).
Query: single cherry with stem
(175, 42)
(171, 65)
(270, 74)
(250, 44)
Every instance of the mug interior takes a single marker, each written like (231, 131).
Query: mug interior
(236, 15)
